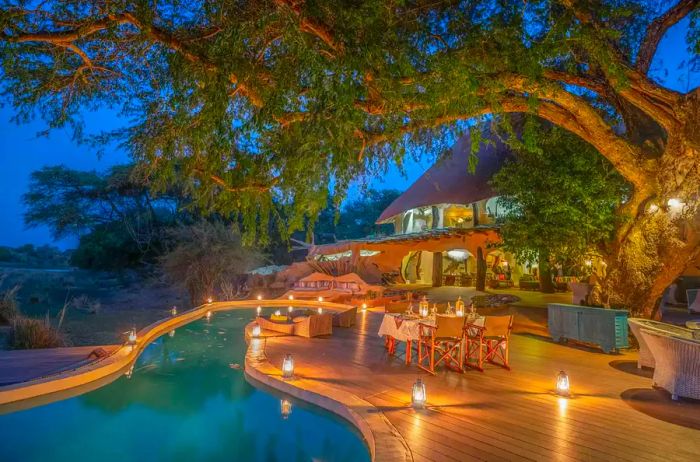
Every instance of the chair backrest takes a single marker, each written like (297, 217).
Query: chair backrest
(498, 326)
(449, 326)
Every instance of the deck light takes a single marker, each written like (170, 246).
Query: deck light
(418, 395)
(278, 313)
(320, 310)
(285, 408)
(563, 384)
(210, 300)
(291, 297)
(132, 337)
(290, 308)
(423, 311)
(320, 299)
(255, 331)
(364, 307)
(259, 297)
(288, 367)
(173, 311)
(258, 310)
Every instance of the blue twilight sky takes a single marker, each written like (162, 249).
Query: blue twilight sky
(22, 151)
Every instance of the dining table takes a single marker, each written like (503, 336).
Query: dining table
(405, 327)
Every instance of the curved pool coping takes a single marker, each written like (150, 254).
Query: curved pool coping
(119, 361)
(383, 439)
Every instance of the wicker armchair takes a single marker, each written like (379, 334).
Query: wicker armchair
(345, 318)
(646, 358)
(677, 363)
(313, 325)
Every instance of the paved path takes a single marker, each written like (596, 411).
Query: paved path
(497, 414)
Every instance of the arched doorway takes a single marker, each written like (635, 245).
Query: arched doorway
(458, 268)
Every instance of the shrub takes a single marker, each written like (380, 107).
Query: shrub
(87, 304)
(28, 333)
(8, 305)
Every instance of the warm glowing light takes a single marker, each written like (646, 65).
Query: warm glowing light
(171, 334)
(364, 307)
(255, 331)
(278, 313)
(320, 299)
(258, 310)
(589, 262)
(173, 311)
(291, 297)
(423, 311)
(320, 310)
(675, 203)
(285, 408)
(563, 384)
(457, 255)
(259, 297)
(288, 367)
(290, 309)
(459, 306)
(132, 336)
(210, 300)
(653, 208)
(563, 404)
(418, 394)
(208, 315)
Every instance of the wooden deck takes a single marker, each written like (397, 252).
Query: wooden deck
(497, 414)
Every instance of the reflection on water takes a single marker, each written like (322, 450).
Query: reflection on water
(186, 400)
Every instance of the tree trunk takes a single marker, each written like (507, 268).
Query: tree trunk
(437, 269)
(480, 270)
(546, 284)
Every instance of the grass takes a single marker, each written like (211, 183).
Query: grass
(28, 333)
(8, 305)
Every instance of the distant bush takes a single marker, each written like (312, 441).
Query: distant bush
(8, 305)
(108, 247)
(28, 333)
(87, 304)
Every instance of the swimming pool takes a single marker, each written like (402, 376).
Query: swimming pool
(187, 399)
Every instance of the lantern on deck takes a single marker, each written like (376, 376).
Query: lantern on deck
(435, 309)
(320, 310)
(364, 307)
(285, 408)
(131, 337)
(290, 309)
(418, 394)
(291, 297)
(278, 313)
(459, 306)
(563, 384)
(255, 331)
(423, 306)
(210, 300)
(259, 297)
(320, 299)
(173, 311)
(288, 367)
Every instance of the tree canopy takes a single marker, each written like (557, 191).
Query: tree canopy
(245, 104)
(560, 197)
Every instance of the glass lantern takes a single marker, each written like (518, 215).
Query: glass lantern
(418, 394)
(563, 384)
(259, 297)
(459, 306)
(132, 337)
(320, 310)
(290, 309)
(423, 306)
(173, 311)
(288, 367)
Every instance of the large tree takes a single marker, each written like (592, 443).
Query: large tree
(245, 101)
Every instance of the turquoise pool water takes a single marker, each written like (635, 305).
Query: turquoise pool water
(186, 400)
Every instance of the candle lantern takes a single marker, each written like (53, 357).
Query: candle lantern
(173, 311)
(278, 313)
(290, 309)
(259, 297)
(132, 337)
(563, 384)
(435, 309)
(291, 297)
(320, 310)
(210, 300)
(285, 408)
(288, 367)
(255, 331)
(423, 306)
(459, 306)
(320, 299)
(364, 307)
(418, 394)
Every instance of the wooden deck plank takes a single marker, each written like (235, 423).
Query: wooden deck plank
(497, 414)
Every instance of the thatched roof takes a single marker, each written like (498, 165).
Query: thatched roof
(449, 181)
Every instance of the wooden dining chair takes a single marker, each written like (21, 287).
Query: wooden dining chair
(490, 342)
(445, 340)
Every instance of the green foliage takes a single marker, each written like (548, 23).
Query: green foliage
(28, 333)
(9, 308)
(560, 196)
(206, 254)
(256, 108)
(107, 247)
(355, 219)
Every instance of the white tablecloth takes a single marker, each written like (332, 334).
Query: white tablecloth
(394, 325)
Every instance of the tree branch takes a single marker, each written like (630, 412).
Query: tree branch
(657, 29)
